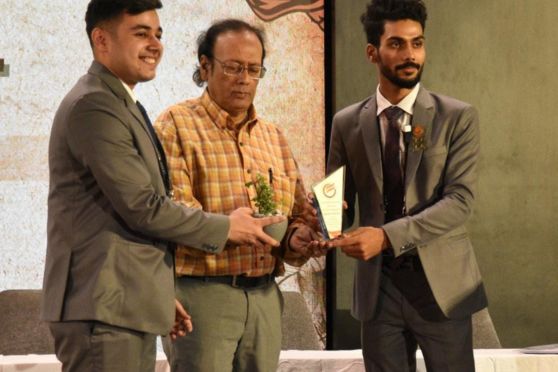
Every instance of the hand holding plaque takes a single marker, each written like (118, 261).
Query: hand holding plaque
(328, 201)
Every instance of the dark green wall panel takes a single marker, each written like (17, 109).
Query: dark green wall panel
(501, 56)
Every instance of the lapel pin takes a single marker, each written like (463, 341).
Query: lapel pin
(418, 142)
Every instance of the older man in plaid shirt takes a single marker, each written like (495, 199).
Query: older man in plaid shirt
(215, 144)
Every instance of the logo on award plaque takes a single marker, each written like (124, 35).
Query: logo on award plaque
(329, 190)
(328, 201)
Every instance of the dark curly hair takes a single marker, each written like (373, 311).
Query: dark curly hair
(99, 11)
(206, 40)
(380, 11)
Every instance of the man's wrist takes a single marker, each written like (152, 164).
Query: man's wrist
(286, 246)
(386, 244)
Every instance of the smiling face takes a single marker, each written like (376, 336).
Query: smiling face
(234, 94)
(130, 46)
(401, 54)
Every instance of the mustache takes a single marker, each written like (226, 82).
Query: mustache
(408, 64)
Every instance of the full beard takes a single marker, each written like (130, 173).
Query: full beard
(401, 82)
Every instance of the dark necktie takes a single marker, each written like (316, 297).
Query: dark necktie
(393, 179)
(161, 158)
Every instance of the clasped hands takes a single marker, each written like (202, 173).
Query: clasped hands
(363, 243)
(304, 241)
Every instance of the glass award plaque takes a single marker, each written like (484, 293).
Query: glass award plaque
(328, 201)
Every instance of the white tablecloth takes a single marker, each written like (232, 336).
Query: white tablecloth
(486, 360)
(49, 363)
(489, 360)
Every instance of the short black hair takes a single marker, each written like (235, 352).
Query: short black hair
(99, 11)
(206, 40)
(380, 11)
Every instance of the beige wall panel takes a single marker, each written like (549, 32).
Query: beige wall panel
(501, 56)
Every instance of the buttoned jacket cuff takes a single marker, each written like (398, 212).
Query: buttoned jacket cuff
(398, 242)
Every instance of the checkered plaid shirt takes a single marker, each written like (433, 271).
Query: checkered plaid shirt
(210, 163)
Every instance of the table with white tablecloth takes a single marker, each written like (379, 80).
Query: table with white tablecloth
(486, 360)
(49, 363)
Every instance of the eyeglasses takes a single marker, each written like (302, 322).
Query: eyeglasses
(232, 68)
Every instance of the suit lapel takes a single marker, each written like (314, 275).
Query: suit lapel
(115, 85)
(368, 122)
(133, 108)
(423, 115)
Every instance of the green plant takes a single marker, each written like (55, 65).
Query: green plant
(264, 198)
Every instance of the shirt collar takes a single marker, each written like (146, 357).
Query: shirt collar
(219, 116)
(406, 104)
(130, 91)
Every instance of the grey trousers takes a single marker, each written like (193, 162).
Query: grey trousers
(234, 329)
(390, 338)
(99, 347)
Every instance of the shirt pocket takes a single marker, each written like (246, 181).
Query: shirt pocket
(283, 190)
(435, 151)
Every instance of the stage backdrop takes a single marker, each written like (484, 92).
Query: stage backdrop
(46, 46)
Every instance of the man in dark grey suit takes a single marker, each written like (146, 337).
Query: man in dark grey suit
(108, 283)
(411, 157)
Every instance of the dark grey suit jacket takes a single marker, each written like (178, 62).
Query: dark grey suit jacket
(109, 219)
(439, 194)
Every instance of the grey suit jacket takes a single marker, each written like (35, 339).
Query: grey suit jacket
(439, 194)
(109, 219)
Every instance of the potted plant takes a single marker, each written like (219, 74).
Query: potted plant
(266, 205)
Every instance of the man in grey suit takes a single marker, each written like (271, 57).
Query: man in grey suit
(108, 283)
(411, 157)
